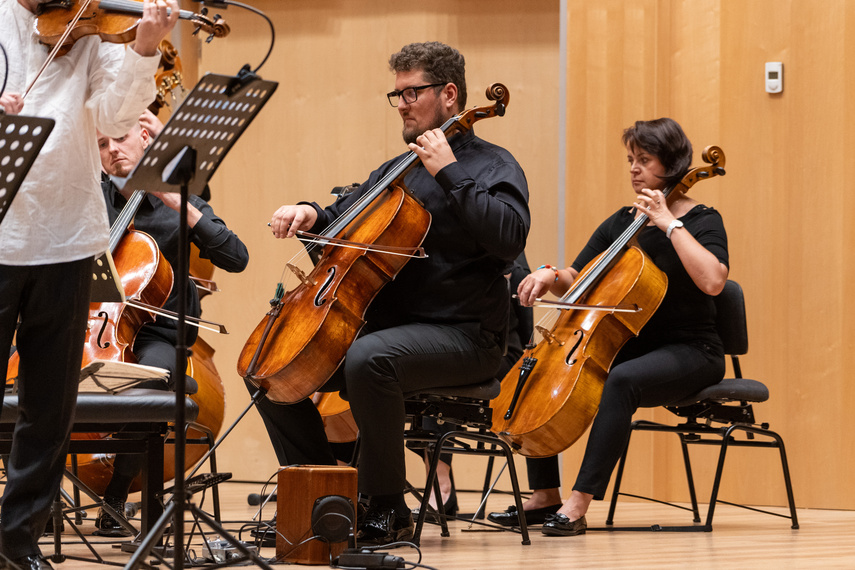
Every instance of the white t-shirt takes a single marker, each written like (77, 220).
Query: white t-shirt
(58, 214)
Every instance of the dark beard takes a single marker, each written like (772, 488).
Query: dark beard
(437, 122)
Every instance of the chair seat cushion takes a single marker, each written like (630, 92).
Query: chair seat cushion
(482, 391)
(134, 405)
(737, 389)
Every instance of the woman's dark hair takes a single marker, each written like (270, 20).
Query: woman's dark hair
(665, 139)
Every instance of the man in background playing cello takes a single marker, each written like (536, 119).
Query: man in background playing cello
(54, 227)
(443, 319)
(157, 216)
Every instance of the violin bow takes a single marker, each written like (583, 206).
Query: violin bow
(56, 49)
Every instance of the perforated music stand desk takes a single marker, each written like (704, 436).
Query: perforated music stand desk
(183, 157)
(21, 139)
(209, 121)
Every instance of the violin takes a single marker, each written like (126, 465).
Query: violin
(60, 23)
(304, 337)
(550, 397)
(113, 21)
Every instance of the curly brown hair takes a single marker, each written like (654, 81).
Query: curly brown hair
(440, 64)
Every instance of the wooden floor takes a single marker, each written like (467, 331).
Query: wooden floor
(741, 539)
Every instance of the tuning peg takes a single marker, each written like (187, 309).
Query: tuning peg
(209, 38)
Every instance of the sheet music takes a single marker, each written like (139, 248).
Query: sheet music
(115, 377)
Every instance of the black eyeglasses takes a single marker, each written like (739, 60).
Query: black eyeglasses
(409, 94)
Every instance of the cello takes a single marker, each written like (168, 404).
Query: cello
(146, 278)
(304, 337)
(550, 397)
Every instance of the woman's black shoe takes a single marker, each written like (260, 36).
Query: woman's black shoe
(560, 525)
(534, 516)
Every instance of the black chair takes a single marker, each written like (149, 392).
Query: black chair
(142, 415)
(468, 409)
(727, 404)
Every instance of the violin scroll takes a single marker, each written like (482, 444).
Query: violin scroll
(215, 27)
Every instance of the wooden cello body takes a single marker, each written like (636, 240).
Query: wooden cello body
(550, 397)
(303, 339)
(339, 424)
(569, 367)
(96, 469)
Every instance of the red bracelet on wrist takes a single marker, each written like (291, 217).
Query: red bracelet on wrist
(553, 268)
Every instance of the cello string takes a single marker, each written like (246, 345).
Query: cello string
(587, 281)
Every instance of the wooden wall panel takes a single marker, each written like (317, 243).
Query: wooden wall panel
(785, 202)
(329, 124)
(785, 199)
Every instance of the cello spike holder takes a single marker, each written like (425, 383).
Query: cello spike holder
(206, 125)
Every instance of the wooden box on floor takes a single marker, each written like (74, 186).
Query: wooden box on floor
(299, 487)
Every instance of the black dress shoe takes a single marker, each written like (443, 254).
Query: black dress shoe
(560, 525)
(534, 516)
(106, 525)
(382, 525)
(33, 562)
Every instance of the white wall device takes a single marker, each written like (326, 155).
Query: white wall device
(774, 77)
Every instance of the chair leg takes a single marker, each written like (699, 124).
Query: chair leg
(689, 478)
(512, 471)
(788, 482)
(779, 443)
(618, 477)
(431, 483)
(485, 490)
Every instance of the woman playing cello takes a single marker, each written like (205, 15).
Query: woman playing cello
(678, 352)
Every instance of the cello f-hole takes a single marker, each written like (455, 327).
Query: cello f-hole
(326, 285)
(106, 317)
(570, 360)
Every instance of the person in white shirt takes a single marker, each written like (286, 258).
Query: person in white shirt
(53, 228)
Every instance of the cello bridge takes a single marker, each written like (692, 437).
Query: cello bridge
(300, 275)
(548, 336)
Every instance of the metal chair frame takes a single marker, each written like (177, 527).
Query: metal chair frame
(727, 403)
(474, 415)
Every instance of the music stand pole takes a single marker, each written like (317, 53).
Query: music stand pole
(207, 124)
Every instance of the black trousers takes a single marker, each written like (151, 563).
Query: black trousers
(151, 349)
(52, 302)
(642, 378)
(379, 369)
(543, 472)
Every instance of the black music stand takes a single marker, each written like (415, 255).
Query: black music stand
(206, 125)
(21, 139)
